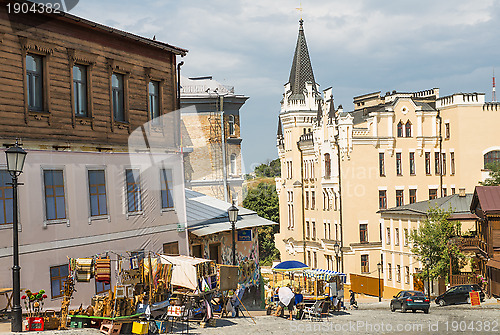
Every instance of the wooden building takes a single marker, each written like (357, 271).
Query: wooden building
(486, 205)
(95, 109)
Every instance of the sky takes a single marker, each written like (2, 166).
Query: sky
(356, 47)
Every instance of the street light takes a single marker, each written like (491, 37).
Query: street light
(379, 267)
(232, 212)
(428, 263)
(336, 247)
(15, 156)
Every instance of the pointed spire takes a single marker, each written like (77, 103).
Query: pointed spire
(280, 131)
(331, 112)
(301, 71)
(319, 114)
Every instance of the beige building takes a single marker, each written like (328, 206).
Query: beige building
(212, 154)
(390, 155)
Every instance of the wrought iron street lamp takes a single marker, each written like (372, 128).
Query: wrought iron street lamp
(379, 267)
(233, 217)
(336, 248)
(15, 156)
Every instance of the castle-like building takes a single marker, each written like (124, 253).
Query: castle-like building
(338, 169)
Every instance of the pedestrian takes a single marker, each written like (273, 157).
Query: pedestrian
(352, 300)
(286, 299)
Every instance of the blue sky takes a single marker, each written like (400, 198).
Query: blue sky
(356, 46)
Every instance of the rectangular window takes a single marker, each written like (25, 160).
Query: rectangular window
(80, 90)
(399, 198)
(412, 163)
(381, 164)
(309, 258)
(388, 236)
(58, 275)
(363, 232)
(396, 236)
(313, 230)
(436, 163)
(405, 237)
(389, 271)
(399, 168)
(118, 97)
(97, 192)
(382, 199)
(447, 131)
(413, 196)
(102, 287)
(55, 203)
(313, 199)
(407, 274)
(365, 268)
(154, 101)
(398, 273)
(444, 192)
(452, 163)
(6, 198)
(443, 162)
(306, 206)
(308, 229)
(452, 190)
(315, 259)
(167, 199)
(132, 177)
(172, 248)
(433, 193)
(427, 163)
(34, 80)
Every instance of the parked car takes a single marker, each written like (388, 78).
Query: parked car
(459, 294)
(410, 300)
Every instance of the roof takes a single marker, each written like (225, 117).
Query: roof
(207, 215)
(488, 198)
(301, 71)
(458, 204)
(153, 43)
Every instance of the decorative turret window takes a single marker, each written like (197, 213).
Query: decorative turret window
(400, 129)
(408, 129)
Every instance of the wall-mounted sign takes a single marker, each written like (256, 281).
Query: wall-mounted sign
(245, 235)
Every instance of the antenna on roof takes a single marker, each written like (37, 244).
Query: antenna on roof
(493, 93)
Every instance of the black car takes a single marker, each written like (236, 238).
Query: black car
(459, 294)
(410, 300)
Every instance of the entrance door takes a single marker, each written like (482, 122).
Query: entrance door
(214, 252)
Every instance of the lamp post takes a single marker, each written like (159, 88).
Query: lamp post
(15, 156)
(428, 263)
(233, 217)
(379, 267)
(336, 247)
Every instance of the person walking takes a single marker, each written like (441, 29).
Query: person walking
(287, 299)
(352, 300)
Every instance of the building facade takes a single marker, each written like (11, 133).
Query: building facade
(340, 168)
(211, 134)
(93, 107)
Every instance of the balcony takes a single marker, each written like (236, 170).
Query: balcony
(473, 244)
(464, 278)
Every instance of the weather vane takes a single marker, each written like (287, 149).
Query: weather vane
(300, 9)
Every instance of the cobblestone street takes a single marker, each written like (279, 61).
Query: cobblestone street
(370, 318)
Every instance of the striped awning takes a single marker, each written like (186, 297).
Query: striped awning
(324, 274)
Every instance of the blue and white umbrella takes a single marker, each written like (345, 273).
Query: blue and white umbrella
(324, 274)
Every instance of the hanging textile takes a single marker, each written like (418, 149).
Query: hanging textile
(103, 270)
(83, 269)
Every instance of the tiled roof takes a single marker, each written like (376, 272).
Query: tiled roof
(301, 71)
(458, 204)
(488, 198)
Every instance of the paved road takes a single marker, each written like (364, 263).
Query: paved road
(370, 318)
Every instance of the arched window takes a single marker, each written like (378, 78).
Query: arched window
(231, 124)
(408, 129)
(233, 164)
(400, 129)
(328, 166)
(492, 157)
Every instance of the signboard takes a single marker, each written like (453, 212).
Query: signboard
(474, 298)
(245, 235)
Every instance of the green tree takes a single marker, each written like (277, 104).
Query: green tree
(263, 199)
(494, 178)
(270, 169)
(432, 241)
